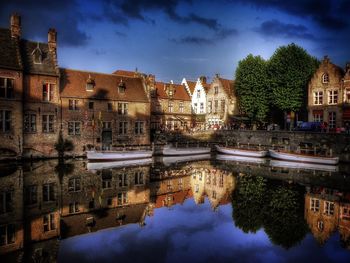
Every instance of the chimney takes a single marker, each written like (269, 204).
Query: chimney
(15, 25)
(203, 79)
(326, 59)
(217, 75)
(52, 40)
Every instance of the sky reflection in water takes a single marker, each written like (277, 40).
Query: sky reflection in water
(195, 233)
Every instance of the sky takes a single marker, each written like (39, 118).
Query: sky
(174, 39)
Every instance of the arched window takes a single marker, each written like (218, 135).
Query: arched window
(320, 225)
(325, 78)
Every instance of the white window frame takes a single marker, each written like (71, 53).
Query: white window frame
(318, 97)
(333, 96)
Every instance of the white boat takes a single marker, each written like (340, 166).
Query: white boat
(304, 166)
(123, 163)
(238, 158)
(241, 152)
(303, 158)
(172, 151)
(117, 155)
(168, 160)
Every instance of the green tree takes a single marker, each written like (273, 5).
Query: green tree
(252, 87)
(284, 220)
(248, 201)
(289, 71)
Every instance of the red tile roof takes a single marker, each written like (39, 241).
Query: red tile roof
(125, 73)
(228, 85)
(191, 85)
(179, 94)
(73, 84)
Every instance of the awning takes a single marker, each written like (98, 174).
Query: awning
(318, 112)
(346, 114)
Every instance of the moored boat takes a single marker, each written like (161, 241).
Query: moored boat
(238, 158)
(303, 158)
(241, 152)
(304, 166)
(116, 164)
(172, 151)
(117, 155)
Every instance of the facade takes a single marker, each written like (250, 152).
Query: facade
(198, 93)
(170, 107)
(103, 110)
(221, 102)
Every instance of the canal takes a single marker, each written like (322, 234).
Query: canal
(174, 210)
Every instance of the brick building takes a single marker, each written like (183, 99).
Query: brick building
(221, 102)
(103, 110)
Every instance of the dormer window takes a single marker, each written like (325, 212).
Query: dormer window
(37, 55)
(121, 87)
(90, 84)
(325, 78)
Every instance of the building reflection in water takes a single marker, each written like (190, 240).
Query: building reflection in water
(44, 202)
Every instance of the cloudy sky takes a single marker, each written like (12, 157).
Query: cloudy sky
(182, 38)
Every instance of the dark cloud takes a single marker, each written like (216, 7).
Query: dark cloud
(329, 14)
(275, 28)
(40, 15)
(219, 35)
(120, 11)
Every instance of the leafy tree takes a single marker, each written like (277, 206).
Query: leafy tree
(289, 71)
(284, 221)
(248, 201)
(252, 87)
(62, 145)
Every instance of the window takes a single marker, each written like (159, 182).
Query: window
(216, 90)
(122, 108)
(181, 106)
(198, 93)
(347, 95)
(6, 202)
(31, 194)
(48, 91)
(139, 127)
(171, 93)
(74, 127)
(214, 194)
(345, 212)
(6, 88)
(30, 122)
(47, 124)
(37, 56)
(5, 121)
(201, 107)
(329, 208)
(106, 179)
(196, 188)
(222, 105)
(333, 97)
(49, 222)
(169, 185)
(216, 106)
(195, 108)
(318, 97)
(107, 125)
(139, 178)
(110, 106)
(74, 185)
(210, 104)
(74, 208)
(170, 106)
(49, 192)
(314, 204)
(91, 105)
(325, 78)
(122, 198)
(122, 180)
(332, 117)
(121, 87)
(73, 105)
(318, 117)
(123, 127)
(320, 225)
(7, 234)
(221, 180)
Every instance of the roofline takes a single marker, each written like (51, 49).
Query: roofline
(110, 99)
(100, 73)
(12, 68)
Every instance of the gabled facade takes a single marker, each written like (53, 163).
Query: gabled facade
(221, 102)
(325, 95)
